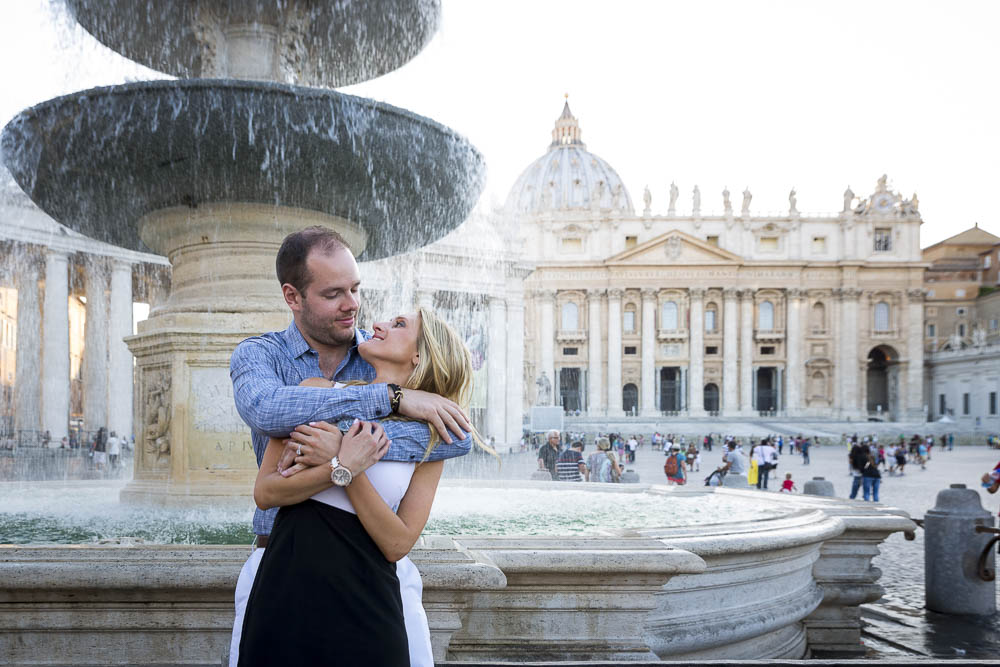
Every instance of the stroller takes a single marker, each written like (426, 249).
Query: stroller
(715, 479)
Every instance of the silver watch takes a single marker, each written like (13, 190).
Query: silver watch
(339, 475)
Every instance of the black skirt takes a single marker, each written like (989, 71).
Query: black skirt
(324, 595)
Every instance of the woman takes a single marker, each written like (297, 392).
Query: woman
(328, 587)
(602, 465)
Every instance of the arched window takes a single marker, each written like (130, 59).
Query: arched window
(710, 317)
(630, 318)
(570, 317)
(668, 320)
(817, 317)
(766, 316)
(881, 316)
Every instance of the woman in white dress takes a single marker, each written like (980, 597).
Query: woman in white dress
(335, 565)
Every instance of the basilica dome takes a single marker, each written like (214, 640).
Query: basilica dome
(568, 176)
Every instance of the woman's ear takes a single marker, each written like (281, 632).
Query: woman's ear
(415, 360)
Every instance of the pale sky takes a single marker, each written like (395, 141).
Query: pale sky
(815, 95)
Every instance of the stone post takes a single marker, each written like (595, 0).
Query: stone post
(546, 299)
(595, 384)
(793, 352)
(730, 353)
(55, 346)
(696, 353)
(746, 352)
(120, 391)
(914, 407)
(496, 372)
(514, 390)
(27, 388)
(614, 352)
(95, 346)
(648, 392)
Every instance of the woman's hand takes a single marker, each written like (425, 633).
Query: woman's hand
(362, 446)
(309, 445)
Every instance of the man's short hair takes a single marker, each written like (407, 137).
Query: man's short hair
(290, 264)
(577, 445)
(551, 432)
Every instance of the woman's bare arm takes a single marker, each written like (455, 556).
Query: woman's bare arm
(273, 490)
(396, 533)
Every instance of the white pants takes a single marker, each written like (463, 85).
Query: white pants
(411, 590)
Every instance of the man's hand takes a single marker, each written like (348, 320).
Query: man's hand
(445, 416)
(362, 446)
(309, 445)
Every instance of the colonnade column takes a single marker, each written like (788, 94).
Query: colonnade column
(496, 369)
(547, 333)
(746, 352)
(847, 362)
(696, 353)
(614, 352)
(730, 352)
(793, 352)
(27, 387)
(914, 408)
(514, 390)
(595, 383)
(120, 317)
(55, 346)
(95, 347)
(648, 391)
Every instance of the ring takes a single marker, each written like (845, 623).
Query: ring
(298, 452)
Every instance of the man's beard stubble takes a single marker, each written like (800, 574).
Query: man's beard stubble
(323, 332)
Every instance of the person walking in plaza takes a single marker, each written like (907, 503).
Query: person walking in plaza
(548, 452)
(633, 444)
(673, 466)
(601, 465)
(114, 450)
(857, 459)
(570, 466)
(99, 449)
(767, 460)
(805, 451)
(871, 478)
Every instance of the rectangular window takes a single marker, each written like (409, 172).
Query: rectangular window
(712, 349)
(768, 243)
(965, 404)
(819, 245)
(987, 261)
(631, 242)
(960, 293)
(931, 331)
(630, 349)
(713, 240)
(709, 320)
(572, 245)
(883, 240)
(767, 349)
(570, 351)
(629, 320)
(942, 405)
(993, 402)
(994, 324)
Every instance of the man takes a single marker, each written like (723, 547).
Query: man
(548, 452)
(857, 459)
(570, 466)
(733, 469)
(633, 445)
(767, 460)
(320, 283)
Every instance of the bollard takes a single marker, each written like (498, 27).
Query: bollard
(630, 477)
(818, 486)
(542, 476)
(952, 548)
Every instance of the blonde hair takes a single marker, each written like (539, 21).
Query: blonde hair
(444, 368)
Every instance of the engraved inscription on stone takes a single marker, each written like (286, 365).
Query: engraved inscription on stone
(213, 409)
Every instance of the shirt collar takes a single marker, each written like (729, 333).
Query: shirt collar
(297, 344)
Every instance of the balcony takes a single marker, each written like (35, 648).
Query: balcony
(671, 335)
(572, 336)
(769, 335)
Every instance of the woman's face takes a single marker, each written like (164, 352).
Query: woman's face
(393, 342)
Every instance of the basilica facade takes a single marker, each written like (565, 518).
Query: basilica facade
(696, 313)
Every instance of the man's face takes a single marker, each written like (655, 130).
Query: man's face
(554, 440)
(326, 310)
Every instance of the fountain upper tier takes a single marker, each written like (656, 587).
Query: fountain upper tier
(100, 160)
(326, 43)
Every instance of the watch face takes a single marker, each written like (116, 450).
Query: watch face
(341, 476)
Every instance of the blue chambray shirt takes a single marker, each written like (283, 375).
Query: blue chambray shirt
(265, 371)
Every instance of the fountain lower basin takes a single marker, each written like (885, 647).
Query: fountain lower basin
(784, 582)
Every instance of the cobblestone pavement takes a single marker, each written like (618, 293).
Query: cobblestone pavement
(899, 618)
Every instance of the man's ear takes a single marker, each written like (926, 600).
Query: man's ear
(292, 296)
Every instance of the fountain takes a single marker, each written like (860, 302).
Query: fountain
(213, 173)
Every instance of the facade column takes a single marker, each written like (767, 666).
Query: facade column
(648, 391)
(595, 380)
(27, 386)
(793, 352)
(730, 352)
(95, 346)
(514, 390)
(847, 363)
(614, 352)
(55, 346)
(915, 401)
(496, 370)
(120, 318)
(696, 352)
(547, 334)
(746, 352)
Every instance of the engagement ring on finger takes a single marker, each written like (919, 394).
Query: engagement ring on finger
(298, 452)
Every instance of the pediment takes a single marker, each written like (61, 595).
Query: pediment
(674, 247)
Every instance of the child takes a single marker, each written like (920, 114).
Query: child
(788, 485)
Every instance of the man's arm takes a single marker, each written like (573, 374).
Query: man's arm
(274, 409)
(410, 440)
